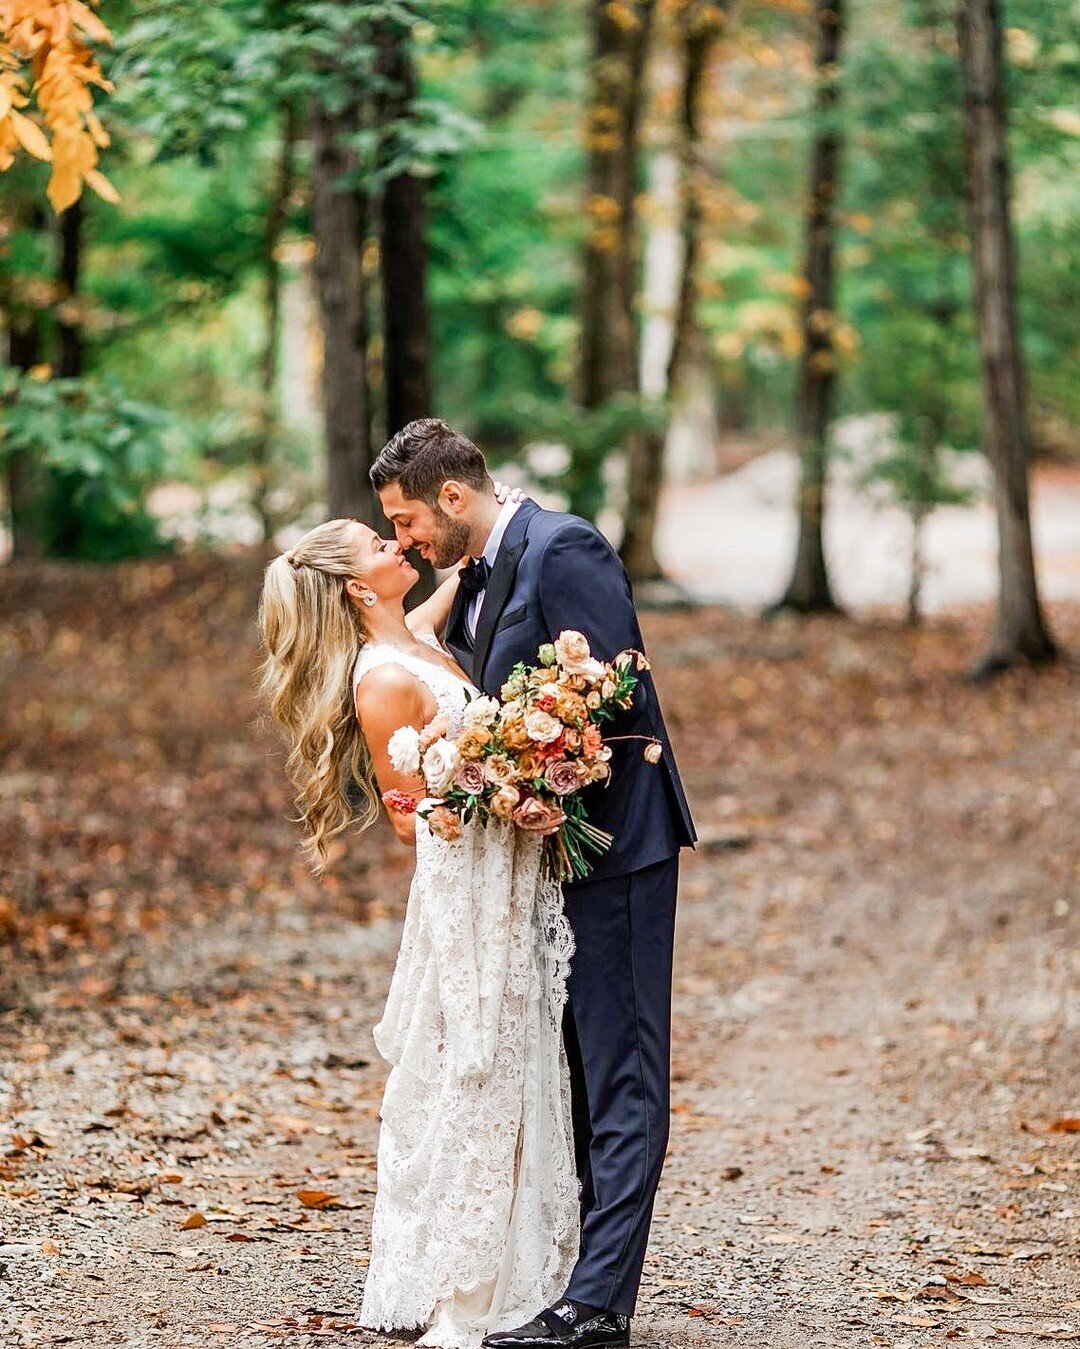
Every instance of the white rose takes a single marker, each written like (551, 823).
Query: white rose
(542, 727)
(480, 712)
(404, 750)
(590, 670)
(440, 764)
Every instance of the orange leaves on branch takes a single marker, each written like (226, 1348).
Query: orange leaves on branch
(45, 59)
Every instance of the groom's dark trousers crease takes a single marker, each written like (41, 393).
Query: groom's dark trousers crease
(618, 1040)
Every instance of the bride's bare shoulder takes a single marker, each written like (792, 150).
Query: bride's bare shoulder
(387, 682)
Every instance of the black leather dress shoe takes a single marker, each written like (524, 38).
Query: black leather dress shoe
(559, 1326)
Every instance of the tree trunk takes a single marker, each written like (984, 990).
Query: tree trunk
(1019, 632)
(403, 253)
(70, 364)
(406, 321)
(268, 365)
(699, 25)
(336, 224)
(609, 345)
(808, 590)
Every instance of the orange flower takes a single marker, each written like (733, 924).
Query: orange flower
(474, 742)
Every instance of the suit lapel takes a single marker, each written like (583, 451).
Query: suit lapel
(500, 585)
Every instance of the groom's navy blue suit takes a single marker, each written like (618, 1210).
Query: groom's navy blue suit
(554, 572)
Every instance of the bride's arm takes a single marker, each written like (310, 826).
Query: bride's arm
(387, 698)
(430, 617)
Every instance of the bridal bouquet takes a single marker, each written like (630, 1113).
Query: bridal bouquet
(525, 756)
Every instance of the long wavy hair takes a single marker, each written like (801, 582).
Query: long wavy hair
(311, 633)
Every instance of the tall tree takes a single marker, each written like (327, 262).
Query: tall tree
(403, 241)
(338, 216)
(809, 590)
(69, 320)
(23, 471)
(698, 24)
(609, 344)
(1020, 631)
(274, 226)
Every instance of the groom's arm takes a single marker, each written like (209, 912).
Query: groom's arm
(583, 585)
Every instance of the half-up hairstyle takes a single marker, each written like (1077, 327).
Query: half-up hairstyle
(311, 634)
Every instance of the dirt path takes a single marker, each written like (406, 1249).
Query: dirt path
(875, 1028)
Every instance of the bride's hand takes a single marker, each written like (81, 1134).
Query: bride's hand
(503, 493)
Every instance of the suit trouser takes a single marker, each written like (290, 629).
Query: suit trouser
(617, 1027)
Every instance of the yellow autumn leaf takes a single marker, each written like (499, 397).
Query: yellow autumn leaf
(102, 186)
(65, 187)
(89, 22)
(31, 137)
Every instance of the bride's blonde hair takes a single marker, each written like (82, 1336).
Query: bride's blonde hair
(311, 633)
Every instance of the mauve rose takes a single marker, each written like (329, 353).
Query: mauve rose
(470, 778)
(539, 817)
(563, 777)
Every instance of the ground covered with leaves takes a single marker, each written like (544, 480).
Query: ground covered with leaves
(876, 1116)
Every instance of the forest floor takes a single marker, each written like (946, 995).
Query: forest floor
(876, 1129)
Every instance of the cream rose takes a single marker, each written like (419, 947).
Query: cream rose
(481, 711)
(403, 748)
(440, 763)
(542, 726)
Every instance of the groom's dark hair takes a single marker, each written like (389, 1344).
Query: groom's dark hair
(425, 454)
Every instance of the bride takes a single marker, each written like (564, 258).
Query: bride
(476, 1210)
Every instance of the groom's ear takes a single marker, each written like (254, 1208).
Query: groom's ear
(453, 496)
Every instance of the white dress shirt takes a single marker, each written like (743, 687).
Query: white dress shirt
(491, 550)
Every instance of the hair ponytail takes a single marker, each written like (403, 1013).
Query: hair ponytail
(311, 634)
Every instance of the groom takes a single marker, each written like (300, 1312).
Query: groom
(532, 574)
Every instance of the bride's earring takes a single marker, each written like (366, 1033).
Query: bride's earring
(370, 599)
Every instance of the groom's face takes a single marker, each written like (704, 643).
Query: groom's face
(441, 538)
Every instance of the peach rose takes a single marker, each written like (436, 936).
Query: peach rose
(444, 824)
(503, 802)
(539, 817)
(499, 770)
(473, 743)
(592, 742)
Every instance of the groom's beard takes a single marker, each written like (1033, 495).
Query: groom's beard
(451, 541)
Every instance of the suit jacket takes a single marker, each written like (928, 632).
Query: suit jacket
(553, 572)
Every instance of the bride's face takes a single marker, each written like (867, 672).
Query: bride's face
(382, 569)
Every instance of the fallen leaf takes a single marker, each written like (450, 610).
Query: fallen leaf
(317, 1198)
(195, 1219)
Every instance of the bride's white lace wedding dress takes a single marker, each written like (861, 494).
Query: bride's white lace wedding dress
(476, 1210)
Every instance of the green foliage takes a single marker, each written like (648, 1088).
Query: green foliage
(99, 453)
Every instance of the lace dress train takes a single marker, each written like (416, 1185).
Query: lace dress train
(476, 1209)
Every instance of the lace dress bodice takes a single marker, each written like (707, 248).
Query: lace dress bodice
(476, 1208)
(449, 690)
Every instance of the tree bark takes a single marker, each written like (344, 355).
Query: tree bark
(699, 26)
(808, 590)
(1019, 631)
(403, 252)
(336, 223)
(609, 341)
(70, 364)
(268, 365)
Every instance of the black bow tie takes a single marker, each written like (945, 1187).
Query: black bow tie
(474, 575)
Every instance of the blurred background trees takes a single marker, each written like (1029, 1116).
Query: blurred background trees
(608, 238)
